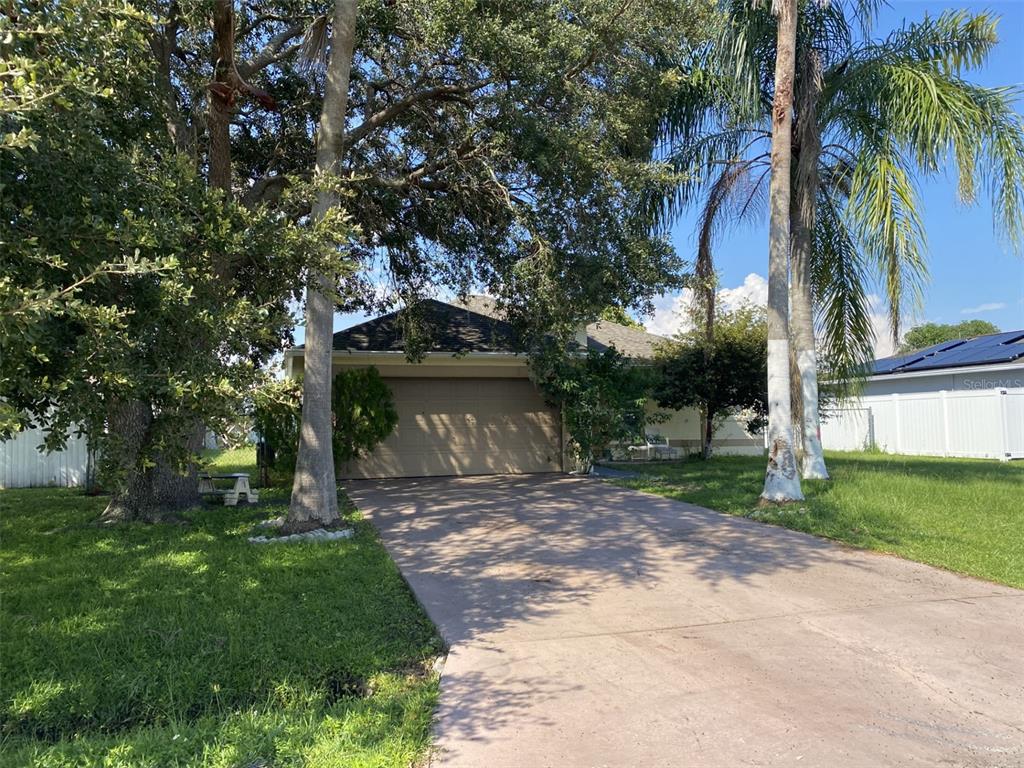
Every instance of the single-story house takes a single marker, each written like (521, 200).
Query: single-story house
(469, 407)
(960, 398)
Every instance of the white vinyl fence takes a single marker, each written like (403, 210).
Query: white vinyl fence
(986, 424)
(23, 466)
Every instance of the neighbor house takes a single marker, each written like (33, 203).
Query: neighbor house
(469, 407)
(960, 398)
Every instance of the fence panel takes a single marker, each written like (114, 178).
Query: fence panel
(22, 465)
(1014, 419)
(976, 424)
(847, 429)
(972, 423)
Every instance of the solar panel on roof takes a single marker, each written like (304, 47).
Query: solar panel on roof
(995, 348)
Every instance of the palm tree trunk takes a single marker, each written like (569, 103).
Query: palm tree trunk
(314, 499)
(802, 222)
(781, 481)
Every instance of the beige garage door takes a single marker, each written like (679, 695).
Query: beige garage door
(466, 427)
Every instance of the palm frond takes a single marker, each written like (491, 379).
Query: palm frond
(731, 198)
(839, 279)
(909, 90)
(314, 44)
(883, 217)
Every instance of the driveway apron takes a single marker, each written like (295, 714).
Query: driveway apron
(590, 625)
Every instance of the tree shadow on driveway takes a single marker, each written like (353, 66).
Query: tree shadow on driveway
(562, 598)
(484, 553)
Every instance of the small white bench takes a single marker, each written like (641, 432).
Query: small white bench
(231, 495)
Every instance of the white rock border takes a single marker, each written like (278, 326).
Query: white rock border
(319, 534)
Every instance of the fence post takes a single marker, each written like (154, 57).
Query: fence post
(899, 426)
(945, 423)
(1004, 421)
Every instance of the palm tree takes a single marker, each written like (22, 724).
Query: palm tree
(781, 480)
(314, 499)
(870, 114)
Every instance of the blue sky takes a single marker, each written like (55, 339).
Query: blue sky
(972, 274)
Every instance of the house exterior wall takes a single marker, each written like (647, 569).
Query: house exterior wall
(395, 368)
(684, 429)
(1009, 376)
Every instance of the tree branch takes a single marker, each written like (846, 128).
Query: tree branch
(592, 56)
(273, 51)
(417, 177)
(389, 113)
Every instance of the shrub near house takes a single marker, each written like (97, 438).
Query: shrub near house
(602, 396)
(363, 410)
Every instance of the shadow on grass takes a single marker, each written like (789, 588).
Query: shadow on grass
(114, 632)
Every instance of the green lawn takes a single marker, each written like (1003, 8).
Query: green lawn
(184, 645)
(961, 514)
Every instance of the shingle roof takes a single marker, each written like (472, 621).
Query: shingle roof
(960, 353)
(453, 329)
(475, 325)
(631, 342)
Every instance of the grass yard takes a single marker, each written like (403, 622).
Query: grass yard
(175, 645)
(962, 514)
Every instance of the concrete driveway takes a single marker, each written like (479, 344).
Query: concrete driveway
(595, 626)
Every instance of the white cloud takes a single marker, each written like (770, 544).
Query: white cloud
(884, 346)
(991, 306)
(671, 311)
(754, 291)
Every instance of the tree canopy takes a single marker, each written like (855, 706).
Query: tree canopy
(113, 285)
(721, 375)
(620, 316)
(157, 186)
(927, 334)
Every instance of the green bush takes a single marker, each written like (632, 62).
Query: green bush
(277, 415)
(364, 414)
(602, 396)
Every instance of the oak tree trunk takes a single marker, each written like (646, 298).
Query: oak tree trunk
(155, 491)
(314, 501)
(807, 418)
(152, 492)
(221, 97)
(782, 481)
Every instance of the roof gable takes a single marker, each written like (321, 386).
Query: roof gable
(602, 334)
(452, 329)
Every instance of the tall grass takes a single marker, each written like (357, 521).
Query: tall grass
(185, 645)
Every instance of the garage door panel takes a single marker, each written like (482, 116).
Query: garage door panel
(465, 426)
